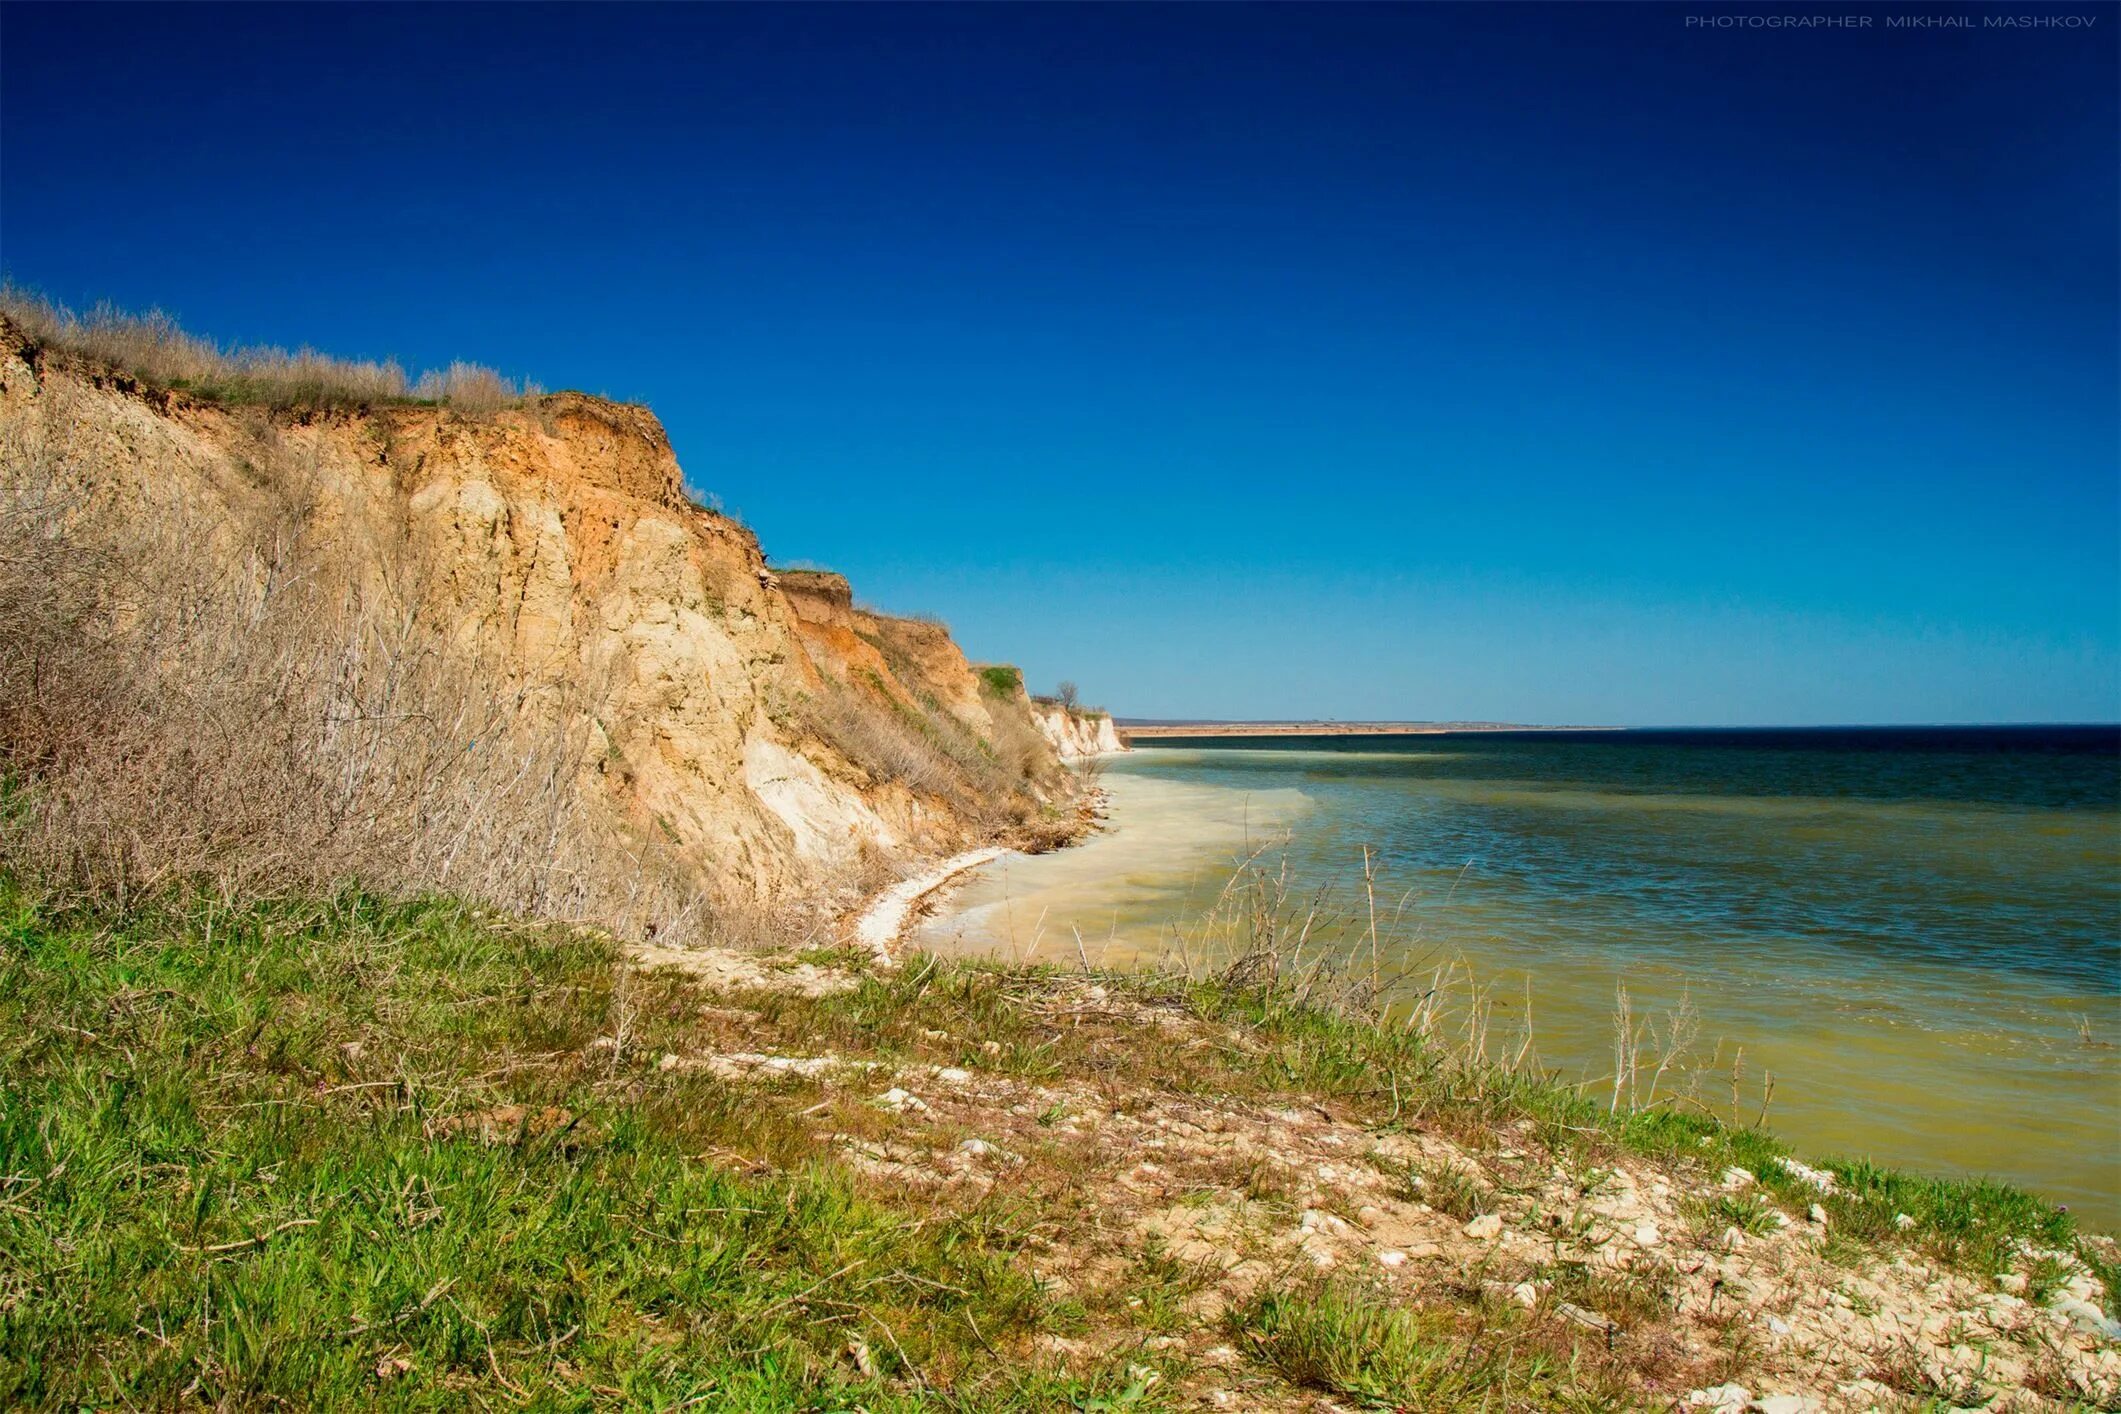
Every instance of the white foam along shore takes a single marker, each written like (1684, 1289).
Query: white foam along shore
(884, 919)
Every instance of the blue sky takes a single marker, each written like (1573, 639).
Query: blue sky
(1539, 364)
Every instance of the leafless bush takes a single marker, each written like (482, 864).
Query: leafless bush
(1019, 748)
(870, 734)
(470, 388)
(152, 347)
(931, 752)
(230, 699)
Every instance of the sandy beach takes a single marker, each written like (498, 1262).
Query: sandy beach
(1165, 850)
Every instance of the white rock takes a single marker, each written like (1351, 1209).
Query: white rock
(668, 1062)
(739, 1064)
(1735, 1178)
(976, 1147)
(1485, 1228)
(1778, 1325)
(1903, 1221)
(952, 1075)
(1817, 1214)
(1786, 1404)
(1390, 1258)
(2085, 1317)
(1817, 1178)
(1721, 1399)
(1732, 1239)
(900, 1101)
(1647, 1235)
(1525, 1294)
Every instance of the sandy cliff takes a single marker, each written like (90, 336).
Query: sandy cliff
(555, 541)
(1075, 733)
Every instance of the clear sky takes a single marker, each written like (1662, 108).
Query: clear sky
(1544, 364)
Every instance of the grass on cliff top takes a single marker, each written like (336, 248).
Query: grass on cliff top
(155, 349)
(345, 1153)
(1001, 679)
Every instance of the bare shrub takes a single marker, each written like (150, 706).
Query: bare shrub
(153, 348)
(469, 387)
(931, 752)
(1018, 747)
(230, 698)
(873, 737)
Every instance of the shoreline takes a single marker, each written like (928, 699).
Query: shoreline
(1175, 833)
(878, 926)
(1162, 849)
(1156, 731)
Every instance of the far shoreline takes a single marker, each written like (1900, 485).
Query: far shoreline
(1131, 731)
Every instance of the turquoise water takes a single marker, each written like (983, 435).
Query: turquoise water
(1917, 932)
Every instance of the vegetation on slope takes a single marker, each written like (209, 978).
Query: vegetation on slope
(153, 348)
(1001, 679)
(244, 696)
(348, 1153)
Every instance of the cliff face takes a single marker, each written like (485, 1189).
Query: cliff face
(555, 541)
(1074, 734)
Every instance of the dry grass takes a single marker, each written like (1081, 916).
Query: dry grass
(990, 780)
(154, 349)
(234, 698)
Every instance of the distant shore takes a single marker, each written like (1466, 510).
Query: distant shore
(1151, 730)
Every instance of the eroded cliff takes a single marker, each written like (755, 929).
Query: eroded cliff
(773, 733)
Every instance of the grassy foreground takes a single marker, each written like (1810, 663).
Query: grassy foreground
(349, 1153)
(352, 1154)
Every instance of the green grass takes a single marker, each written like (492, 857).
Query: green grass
(237, 391)
(354, 1154)
(1002, 680)
(1449, 1189)
(1344, 1339)
(349, 1153)
(1390, 1078)
(1748, 1212)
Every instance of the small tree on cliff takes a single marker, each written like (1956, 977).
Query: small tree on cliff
(1068, 695)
